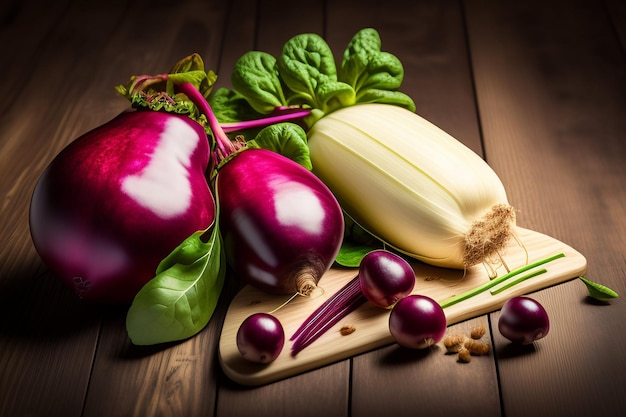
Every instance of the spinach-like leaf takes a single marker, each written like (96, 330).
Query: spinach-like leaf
(396, 98)
(365, 66)
(231, 106)
(180, 300)
(287, 139)
(375, 75)
(307, 67)
(255, 75)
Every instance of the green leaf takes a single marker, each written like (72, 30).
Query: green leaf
(255, 76)
(598, 291)
(365, 66)
(287, 139)
(180, 300)
(395, 98)
(193, 77)
(357, 242)
(307, 67)
(351, 253)
(375, 75)
(231, 106)
(332, 95)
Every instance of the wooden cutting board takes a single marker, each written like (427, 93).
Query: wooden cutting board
(371, 323)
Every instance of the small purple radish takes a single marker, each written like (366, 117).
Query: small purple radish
(260, 338)
(118, 200)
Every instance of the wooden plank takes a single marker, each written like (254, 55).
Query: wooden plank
(617, 15)
(551, 92)
(430, 382)
(48, 336)
(47, 343)
(326, 391)
(31, 22)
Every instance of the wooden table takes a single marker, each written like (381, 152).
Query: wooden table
(536, 87)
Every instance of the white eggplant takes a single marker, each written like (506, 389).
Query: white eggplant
(412, 185)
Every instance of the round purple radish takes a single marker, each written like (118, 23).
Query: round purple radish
(523, 320)
(385, 278)
(119, 199)
(417, 322)
(260, 338)
(282, 227)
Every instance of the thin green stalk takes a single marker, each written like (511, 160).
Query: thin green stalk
(475, 291)
(517, 281)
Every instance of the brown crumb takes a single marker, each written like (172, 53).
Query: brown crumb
(347, 329)
(478, 332)
(477, 348)
(464, 356)
(454, 342)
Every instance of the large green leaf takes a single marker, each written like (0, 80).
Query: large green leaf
(256, 77)
(287, 139)
(180, 300)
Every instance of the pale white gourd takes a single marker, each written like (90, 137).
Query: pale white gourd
(412, 185)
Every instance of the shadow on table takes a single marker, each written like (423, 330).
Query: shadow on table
(37, 307)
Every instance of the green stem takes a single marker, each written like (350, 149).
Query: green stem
(464, 296)
(517, 281)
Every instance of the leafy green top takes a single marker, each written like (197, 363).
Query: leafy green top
(305, 75)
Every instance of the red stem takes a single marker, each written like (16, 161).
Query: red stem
(280, 115)
(222, 141)
(338, 306)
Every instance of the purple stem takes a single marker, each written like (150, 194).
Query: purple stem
(337, 297)
(223, 142)
(281, 115)
(345, 301)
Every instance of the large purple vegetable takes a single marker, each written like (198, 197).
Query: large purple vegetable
(282, 227)
(117, 200)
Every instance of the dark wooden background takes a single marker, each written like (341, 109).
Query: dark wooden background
(537, 87)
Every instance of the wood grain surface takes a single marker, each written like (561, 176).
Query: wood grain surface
(538, 88)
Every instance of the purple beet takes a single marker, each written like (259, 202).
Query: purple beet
(119, 199)
(282, 227)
